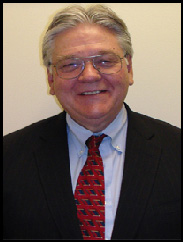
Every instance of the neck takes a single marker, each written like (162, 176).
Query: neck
(95, 125)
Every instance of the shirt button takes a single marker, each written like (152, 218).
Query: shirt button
(108, 203)
(81, 152)
(117, 147)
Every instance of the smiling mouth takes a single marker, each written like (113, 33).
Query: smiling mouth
(93, 92)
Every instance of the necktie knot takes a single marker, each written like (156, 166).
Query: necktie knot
(94, 141)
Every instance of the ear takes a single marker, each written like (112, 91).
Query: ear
(51, 81)
(130, 69)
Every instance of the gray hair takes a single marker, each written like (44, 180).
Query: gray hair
(72, 16)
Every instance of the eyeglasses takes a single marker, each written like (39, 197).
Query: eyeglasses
(70, 68)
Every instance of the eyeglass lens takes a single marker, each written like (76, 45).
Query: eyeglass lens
(72, 67)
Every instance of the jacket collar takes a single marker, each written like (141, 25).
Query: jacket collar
(52, 159)
(141, 163)
(140, 167)
(137, 123)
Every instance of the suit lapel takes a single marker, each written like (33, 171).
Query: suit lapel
(140, 167)
(141, 162)
(53, 164)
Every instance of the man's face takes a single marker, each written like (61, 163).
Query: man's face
(93, 111)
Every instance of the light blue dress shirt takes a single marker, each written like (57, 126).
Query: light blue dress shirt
(112, 150)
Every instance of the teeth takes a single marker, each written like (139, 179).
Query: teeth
(91, 93)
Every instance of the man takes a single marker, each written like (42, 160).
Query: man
(88, 55)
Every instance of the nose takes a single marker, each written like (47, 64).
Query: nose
(89, 74)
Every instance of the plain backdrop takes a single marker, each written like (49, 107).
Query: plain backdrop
(156, 38)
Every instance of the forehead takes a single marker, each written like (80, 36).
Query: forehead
(85, 40)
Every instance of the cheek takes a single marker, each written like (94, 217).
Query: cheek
(120, 87)
(60, 85)
(63, 90)
(119, 83)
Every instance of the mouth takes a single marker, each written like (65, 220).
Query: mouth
(93, 92)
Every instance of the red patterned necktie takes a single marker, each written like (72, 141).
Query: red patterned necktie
(90, 193)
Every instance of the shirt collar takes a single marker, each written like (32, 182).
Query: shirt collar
(78, 133)
(113, 130)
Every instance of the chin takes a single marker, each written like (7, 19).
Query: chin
(95, 114)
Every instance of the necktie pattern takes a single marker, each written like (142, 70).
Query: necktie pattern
(90, 193)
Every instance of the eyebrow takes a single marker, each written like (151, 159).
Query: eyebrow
(63, 57)
(102, 52)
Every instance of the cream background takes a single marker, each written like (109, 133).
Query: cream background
(156, 37)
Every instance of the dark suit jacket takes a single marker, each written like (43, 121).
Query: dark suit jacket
(38, 197)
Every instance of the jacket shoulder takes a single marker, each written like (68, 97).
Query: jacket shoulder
(157, 124)
(143, 123)
(165, 134)
(29, 134)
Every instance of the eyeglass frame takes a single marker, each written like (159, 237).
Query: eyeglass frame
(83, 64)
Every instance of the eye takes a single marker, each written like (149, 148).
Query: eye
(106, 61)
(68, 65)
